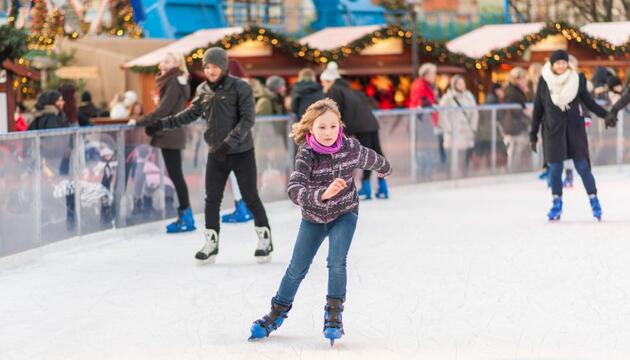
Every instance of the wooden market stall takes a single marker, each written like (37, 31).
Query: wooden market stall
(9, 73)
(382, 55)
(499, 48)
(261, 52)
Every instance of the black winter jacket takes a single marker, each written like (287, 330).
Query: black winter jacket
(229, 110)
(354, 107)
(304, 94)
(563, 132)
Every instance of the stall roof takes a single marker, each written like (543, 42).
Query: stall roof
(480, 41)
(616, 33)
(185, 45)
(335, 37)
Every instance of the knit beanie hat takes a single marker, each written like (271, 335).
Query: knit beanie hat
(48, 97)
(216, 56)
(558, 55)
(274, 82)
(331, 73)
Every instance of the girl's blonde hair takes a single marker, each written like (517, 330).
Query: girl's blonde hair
(180, 61)
(314, 111)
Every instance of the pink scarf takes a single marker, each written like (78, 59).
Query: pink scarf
(322, 149)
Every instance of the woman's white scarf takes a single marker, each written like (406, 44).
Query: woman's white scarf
(563, 88)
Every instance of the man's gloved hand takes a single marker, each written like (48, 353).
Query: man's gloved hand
(533, 143)
(611, 119)
(153, 128)
(220, 152)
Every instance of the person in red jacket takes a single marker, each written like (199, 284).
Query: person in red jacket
(20, 120)
(424, 94)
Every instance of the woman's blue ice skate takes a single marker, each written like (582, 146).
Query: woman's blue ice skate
(270, 322)
(556, 210)
(333, 324)
(596, 207)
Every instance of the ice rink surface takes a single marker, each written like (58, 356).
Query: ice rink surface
(470, 270)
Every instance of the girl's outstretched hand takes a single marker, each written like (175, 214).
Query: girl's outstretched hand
(334, 188)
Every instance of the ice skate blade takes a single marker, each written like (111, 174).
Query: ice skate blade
(263, 259)
(207, 261)
(554, 219)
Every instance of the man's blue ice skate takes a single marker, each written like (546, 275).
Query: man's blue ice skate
(270, 322)
(596, 207)
(241, 214)
(365, 193)
(556, 210)
(185, 222)
(333, 324)
(382, 192)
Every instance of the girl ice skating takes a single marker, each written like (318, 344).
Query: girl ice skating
(322, 185)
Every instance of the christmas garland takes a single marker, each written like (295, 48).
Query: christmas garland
(434, 49)
(302, 51)
(498, 56)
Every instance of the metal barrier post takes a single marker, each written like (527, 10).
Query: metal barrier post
(493, 145)
(76, 178)
(413, 116)
(454, 152)
(620, 118)
(162, 197)
(120, 200)
(37, 191)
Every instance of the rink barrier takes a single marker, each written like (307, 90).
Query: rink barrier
(43, 172)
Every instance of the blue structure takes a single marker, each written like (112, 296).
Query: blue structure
(347, 12)
(172, 19)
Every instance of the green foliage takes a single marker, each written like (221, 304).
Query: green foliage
(12, 43)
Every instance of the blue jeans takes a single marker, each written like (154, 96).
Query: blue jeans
(309, 239)
(583, 168)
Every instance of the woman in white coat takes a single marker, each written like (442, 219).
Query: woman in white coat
(459, 121)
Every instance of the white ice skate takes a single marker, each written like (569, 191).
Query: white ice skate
(210, 249)
(265, 246)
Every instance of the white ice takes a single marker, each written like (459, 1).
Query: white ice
(467, 270)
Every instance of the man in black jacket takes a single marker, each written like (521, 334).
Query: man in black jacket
(226, 103)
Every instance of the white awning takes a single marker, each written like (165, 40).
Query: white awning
(184, 46)
(480, 41)
(335, 37)
(616, 33)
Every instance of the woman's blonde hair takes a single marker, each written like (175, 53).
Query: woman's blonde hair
(314, 111)
(180, 61)
(516, 74)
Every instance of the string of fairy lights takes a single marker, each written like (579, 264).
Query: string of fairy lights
(47, 26)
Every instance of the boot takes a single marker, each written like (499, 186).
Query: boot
(241, 214)
(210, 249)
(185, 222)
(556, 210)
(382, 192)
(596, 207)
(270, 322)
(365, 193)
(333, 324)
(265, 245)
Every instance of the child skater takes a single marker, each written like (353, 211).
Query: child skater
(322, 185)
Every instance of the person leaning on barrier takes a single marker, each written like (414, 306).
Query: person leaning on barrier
(226, 103)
